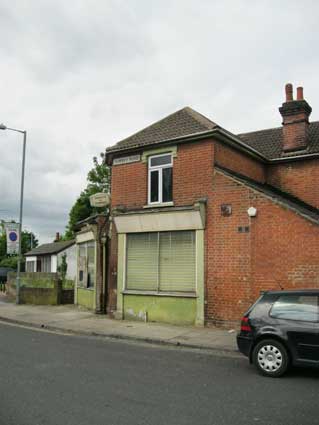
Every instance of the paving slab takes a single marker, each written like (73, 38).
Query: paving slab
(78, 320)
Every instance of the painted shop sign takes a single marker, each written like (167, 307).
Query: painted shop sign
(126, 159)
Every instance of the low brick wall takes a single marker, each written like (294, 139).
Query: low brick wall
(39, 289)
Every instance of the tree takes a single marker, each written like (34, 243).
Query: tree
(63, 267)
(98, 179)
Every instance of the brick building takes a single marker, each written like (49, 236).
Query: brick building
(203, 219)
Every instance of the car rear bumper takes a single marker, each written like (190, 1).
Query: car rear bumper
(244, 344)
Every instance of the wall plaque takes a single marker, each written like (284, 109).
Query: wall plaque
(126, 159)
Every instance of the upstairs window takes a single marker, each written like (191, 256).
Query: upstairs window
(160, 179)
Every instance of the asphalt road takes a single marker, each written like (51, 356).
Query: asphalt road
(50, 379)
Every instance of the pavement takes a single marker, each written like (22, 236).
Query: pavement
(76, 320)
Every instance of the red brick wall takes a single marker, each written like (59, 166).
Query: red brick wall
(193, 172)
(295, 131)
(298, 178)
(239, 162)
(192, 176)
(279, 250)
(280, 247)
(228, 265)
(129, 185)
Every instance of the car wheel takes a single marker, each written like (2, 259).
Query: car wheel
(270, 358)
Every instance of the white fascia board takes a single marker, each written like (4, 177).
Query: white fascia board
(159, 222)
(29, 259)
(85, 237)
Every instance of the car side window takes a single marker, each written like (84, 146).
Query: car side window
(296, 307)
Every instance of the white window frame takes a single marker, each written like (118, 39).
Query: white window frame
(158, 168)
(85, 245)
(30, 266)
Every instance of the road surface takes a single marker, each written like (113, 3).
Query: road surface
(52, 379)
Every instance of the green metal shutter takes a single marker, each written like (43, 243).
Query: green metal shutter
(177, 268)
(142, 261)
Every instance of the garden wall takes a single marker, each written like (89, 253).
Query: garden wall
(40, 289)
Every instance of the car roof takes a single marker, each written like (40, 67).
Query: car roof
(293, 291)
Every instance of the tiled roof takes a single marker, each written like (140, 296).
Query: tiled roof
(50, 248)
(297, 205)
(182, 123)
(186, 123)
(269, 142)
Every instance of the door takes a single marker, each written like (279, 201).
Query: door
(297, 315)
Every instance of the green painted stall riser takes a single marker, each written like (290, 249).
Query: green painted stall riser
(85, 298)
(174, 310)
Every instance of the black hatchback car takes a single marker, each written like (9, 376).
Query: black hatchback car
(281, 329)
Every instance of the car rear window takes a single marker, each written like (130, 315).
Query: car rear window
(296, 307)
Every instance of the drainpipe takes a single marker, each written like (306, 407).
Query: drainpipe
(104, 241)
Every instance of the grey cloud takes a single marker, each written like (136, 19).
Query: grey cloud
(81, 75)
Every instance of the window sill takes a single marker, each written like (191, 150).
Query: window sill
(86, 289)
(164, 204)
(160, 294)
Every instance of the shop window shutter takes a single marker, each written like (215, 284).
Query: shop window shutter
(177, 270)
(142, 261)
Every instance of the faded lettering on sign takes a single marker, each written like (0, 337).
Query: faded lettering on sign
(126, 159)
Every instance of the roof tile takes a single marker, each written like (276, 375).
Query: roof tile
(181, 123)
(269, 142)
(50, 248)
(188, 122)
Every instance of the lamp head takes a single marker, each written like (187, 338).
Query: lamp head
(3, 127)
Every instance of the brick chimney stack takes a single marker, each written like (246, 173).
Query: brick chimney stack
(295, 114)
(57, 237)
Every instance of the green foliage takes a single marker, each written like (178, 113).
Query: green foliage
(12, 260)
(98, 181)
(99, 177)
(63, 267)
(29, 241)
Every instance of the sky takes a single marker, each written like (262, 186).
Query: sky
(81, 75)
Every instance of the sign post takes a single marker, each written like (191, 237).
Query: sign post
(4, 127)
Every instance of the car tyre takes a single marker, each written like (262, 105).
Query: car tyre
(270, 358)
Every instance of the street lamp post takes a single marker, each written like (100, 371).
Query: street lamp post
(3, 127)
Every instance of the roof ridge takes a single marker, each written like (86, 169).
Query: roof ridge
(259, 131)
(59, 246)
(201, 119)
(269, 129)
(150, 125)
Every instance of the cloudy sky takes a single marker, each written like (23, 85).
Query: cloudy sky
(79, 75)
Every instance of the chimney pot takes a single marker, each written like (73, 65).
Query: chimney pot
(299, 93)
(289, 95)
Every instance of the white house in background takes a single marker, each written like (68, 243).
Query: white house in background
(47, 257)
